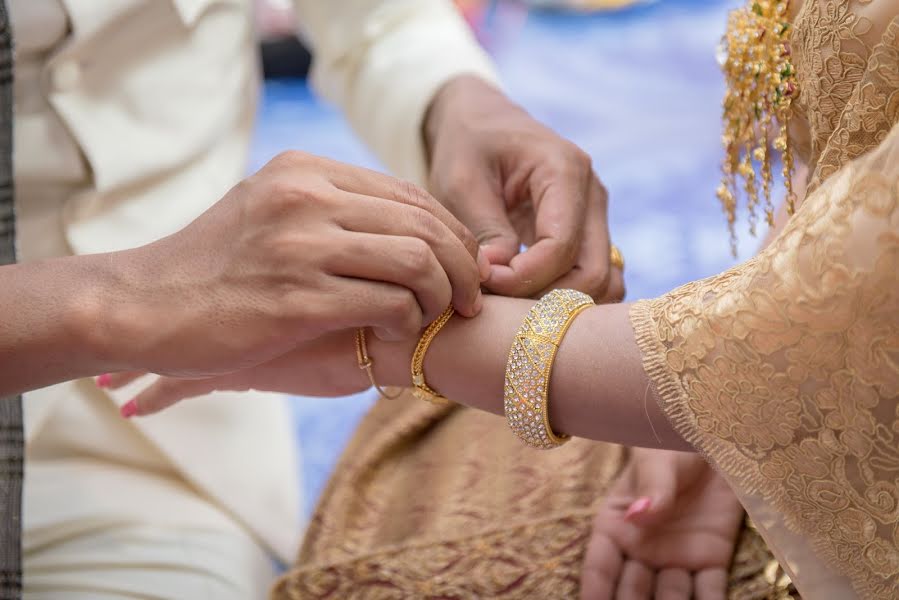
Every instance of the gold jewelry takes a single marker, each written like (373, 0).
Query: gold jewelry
(530, 365)
(366, 364)
(761, 88)
(422, 390)
(615, 258)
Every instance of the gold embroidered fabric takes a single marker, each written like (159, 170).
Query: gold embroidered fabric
(445, 502)
(784, 371)
(846, 54)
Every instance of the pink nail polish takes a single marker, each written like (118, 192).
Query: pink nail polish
(129, 409)
(104, 380)
(639, 506)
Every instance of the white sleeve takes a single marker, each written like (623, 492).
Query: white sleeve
(382, 61)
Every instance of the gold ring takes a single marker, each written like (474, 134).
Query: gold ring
(615, 258)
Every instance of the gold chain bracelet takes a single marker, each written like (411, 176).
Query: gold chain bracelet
(366, 364)
(526, 392)
(422, 390)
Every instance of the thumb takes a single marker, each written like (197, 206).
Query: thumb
(655, 490)
(482, 209)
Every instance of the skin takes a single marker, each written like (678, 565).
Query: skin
(513, 181)
(676, 548)
(304, 247)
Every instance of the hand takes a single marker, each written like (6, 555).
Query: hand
(304, 247)
(512, 181)
(322, 367)
(667, 530)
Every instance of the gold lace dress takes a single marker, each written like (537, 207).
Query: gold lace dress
(783, 371)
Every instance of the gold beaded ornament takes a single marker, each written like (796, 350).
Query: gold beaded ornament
(761, 88)
(530, 365)
(421, 389)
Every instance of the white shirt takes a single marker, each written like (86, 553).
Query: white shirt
(142, 112)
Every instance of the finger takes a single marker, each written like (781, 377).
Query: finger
(616, 290)
(710, 584)
(405, 261)
(357, 180)
(379, 216)
(477, 201)
(167, 391)
(392, 311)
(656, 479)
(602, 566)
(673, 584)
(561, 206)
(376, 215)
(636, 582)
(592, 272)
(114, 381)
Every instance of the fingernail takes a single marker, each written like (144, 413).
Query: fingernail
(129, 409)
(104, 380)
(483, 265)
(639, 506)
(478, 303)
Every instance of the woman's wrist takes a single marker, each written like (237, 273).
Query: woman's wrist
(391, 361)
(465, 350)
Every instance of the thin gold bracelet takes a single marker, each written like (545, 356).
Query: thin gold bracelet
(422, 390)
(366, 364)
(526, 390)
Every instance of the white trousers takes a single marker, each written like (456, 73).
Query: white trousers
(105, 514)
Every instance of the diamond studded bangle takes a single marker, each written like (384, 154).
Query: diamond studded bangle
(530, 365)
(422, 390)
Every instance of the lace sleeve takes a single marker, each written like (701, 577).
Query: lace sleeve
(784, 371)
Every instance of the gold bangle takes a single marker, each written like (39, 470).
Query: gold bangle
(615, 257)
(526, 393)
(366, 364)
(422, 390)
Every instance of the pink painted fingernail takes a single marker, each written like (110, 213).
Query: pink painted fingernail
(639, 506)
(129, 409)
(104, 380)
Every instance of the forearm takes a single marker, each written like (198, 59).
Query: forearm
(53, 327)
(598, 389)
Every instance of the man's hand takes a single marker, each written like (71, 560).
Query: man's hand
(666, 530)
(512, 181)
(304, 247)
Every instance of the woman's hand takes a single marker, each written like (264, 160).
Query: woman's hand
(304, 247)
(666, 530)
(323, 367)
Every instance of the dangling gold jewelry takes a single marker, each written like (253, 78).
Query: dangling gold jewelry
(421, 389)
(761, 87)
(366, 364)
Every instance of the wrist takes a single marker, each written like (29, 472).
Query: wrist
(105, 317)
(463, 92)
(392, 361)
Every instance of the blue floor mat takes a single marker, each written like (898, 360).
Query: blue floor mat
(638, 89)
